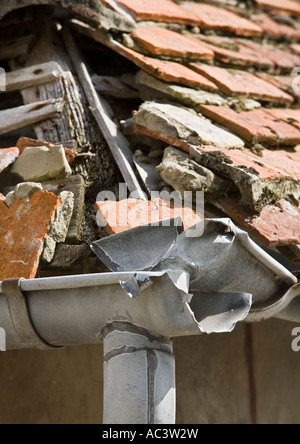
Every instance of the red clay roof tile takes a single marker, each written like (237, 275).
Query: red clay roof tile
(254, 126)
(291, 116)
(229, 51)
(159, 41)
(233, 82)
(276, 30)
(277, 225)
(159, 11)
(167, 71)
(282, 58)
(218, 19)
(130, 213)
(7, 157)
(23, 229)
(289, 6)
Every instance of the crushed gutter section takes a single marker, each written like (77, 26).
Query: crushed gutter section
(222, 273)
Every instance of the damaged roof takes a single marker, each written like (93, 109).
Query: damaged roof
(206, 94)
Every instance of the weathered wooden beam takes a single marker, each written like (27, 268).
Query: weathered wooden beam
(117, 143)
(32, 76)
(14, 118)
(66, 256)
(16, 48)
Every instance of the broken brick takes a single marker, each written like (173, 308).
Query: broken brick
(218, 19)
(7, 157)
(159, 11)
(163, 42)
(167, 71)
(131, 213)
(23, 229)
(236, 82)
(276, 225)
(254, 126)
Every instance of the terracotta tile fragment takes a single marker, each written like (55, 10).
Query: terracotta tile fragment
(163, 42)
(130, 213)
(218, 19)
(7, 157)
(277, 225)
(159, 11)
(254, 126)
(23, 229)
(170, 72)
(236, 82)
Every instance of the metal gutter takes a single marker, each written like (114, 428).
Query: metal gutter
(181, 285)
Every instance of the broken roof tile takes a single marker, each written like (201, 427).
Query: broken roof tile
(236, 82)
(7, 157)
(159, 11)
(181, 128)
(131, 213)
(254, 126)
(163, 42)
(218, 19)
(260, 180)
(276, 30)
(289, 6)
(167, 71)
(276, 225)
(23, 229)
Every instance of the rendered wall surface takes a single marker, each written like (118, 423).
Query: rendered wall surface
(219, 380)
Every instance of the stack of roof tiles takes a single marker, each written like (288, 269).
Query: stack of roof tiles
(235, 68)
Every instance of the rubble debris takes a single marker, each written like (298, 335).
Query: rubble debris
(183, 174)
